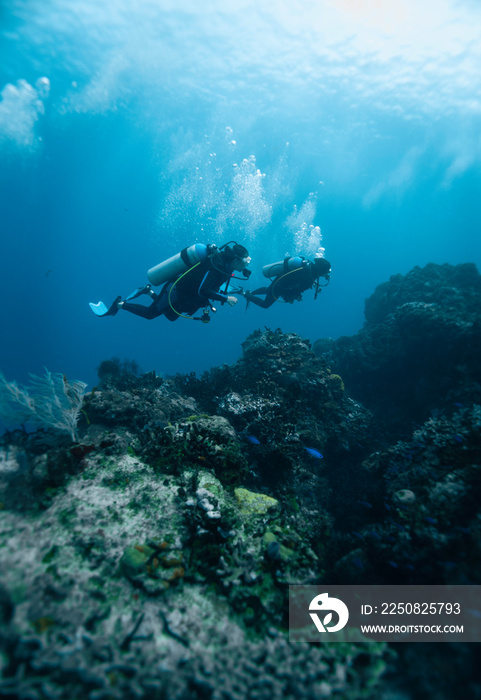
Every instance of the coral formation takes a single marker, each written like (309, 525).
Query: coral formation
(419, 349)
(153, 558)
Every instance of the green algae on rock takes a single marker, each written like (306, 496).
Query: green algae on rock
(253, 504)
(134, 560)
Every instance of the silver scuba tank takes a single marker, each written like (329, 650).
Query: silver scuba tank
(283, 266)
(177, 264)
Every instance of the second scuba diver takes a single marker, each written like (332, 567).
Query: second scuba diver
(290, 277)
(191, 279)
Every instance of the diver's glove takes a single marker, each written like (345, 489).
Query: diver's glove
(231, 301)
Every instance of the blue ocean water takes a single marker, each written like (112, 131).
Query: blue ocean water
(131, 130)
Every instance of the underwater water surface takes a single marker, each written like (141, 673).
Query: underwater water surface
(128, 132)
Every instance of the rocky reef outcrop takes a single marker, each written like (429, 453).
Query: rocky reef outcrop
(420, 346)
(153, 558)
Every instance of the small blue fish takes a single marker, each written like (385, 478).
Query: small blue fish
(458, 438)
(430, 520)
(253, 440)
(458, 405)
(388, 507)
(393, 564)
(313, 452)
(365, 504)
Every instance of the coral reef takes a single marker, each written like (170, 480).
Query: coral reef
(152, 559)
(419, 349)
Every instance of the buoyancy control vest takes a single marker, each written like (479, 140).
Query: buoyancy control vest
(290, 277)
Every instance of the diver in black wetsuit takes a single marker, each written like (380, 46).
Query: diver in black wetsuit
(292, 277)
(193, 289)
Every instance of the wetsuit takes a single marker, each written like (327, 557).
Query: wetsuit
(287, 286)
(191, 291)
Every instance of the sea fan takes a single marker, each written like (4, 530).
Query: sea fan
(51, 401)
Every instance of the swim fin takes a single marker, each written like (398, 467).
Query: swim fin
(141, 290)
(101, 310)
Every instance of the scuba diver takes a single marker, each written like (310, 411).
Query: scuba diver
(290, 277)
(191, 279)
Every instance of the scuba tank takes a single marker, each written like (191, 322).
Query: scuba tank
(283, 266)
(177, 264)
